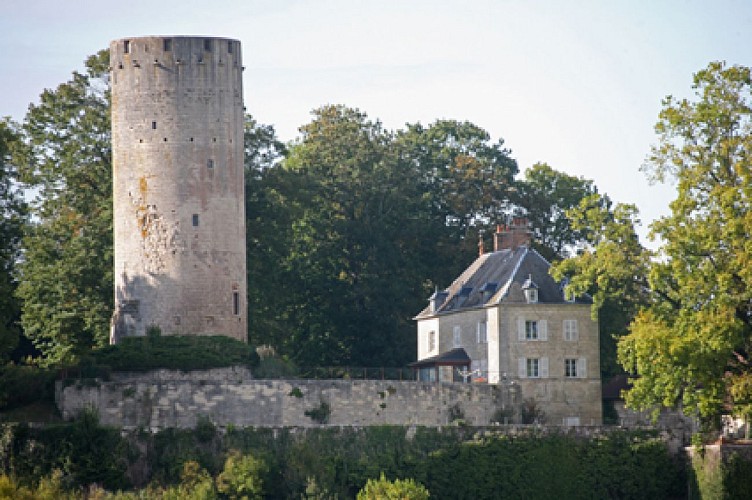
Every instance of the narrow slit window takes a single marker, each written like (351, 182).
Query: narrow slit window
(207, 45)
(167, 44)
(229, 47)
(209, 163)
(127, 46)
(154, 125)
(195, 220)
(235, 303)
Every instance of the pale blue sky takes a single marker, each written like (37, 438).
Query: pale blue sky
(577, 84)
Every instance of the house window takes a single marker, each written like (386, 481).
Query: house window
(570, 368)
(457, 337)
(535, 330)
(235, 303)
(532, 368)
(531, 295)
(431, 341)
(482, 332)
(195, 220)
(167, 45)
(570, 330)
(531, 330)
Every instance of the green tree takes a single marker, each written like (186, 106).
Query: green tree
(66, 274)
(546, 195)
(613, 269)
(463, 181)
(12, 220)
(242, 477)
(347, 204)
(399, 489)
(693, 345)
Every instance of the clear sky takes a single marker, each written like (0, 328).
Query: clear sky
(575, 84)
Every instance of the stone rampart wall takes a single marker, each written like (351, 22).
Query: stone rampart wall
(161, 399)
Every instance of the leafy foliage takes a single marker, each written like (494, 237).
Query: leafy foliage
(12, 220)
(176, 352)
(354, 226)
(547, 195)
(693, 344)
(382, 488)
(285, 463)
(613, 270)
(66, 274)
(242, 477)
(20, 385)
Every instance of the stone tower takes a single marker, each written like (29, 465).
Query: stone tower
(178, 189)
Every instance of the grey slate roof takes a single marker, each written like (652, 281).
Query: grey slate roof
(509, 269)
(455, 357)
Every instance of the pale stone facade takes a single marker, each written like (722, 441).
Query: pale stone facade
(178, 188)
(516, 326)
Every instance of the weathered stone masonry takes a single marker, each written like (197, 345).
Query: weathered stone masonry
(178, 189)
(161, 399)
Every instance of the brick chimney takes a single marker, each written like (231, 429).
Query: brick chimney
(512, 235)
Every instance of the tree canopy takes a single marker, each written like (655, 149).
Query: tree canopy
(693, 345)
(690, 305)
(66, 274)
(12, 220)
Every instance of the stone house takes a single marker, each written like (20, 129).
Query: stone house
(505, 320)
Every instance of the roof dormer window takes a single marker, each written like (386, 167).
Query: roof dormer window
(487, 290)
(437, 300)
(530, 289)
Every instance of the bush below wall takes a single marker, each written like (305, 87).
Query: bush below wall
(452, 462)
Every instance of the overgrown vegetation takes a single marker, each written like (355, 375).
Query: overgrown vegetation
(172, 352)
(22, 385)
(339, 462)
(710, 478)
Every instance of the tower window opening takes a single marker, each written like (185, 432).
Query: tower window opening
(126, 46)
(229, 47)
(214, 139)
(209, 163)
(165, 139)
(207, 45)
(191, 139)
(235, 303)
(167, 45)
(195, 220)
(154, 125)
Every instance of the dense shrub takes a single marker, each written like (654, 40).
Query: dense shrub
(290, 463)
(83, 451)
(175, 352)
(21, 385)
(383, 489)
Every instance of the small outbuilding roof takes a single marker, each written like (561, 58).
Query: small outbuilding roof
(456, 357)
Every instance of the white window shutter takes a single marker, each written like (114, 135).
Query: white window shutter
(575, 333)
(522, 367)
(543, 329)
(582, 368)
(521, 329)
(544, 367)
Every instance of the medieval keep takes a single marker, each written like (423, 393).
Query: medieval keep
(178, 189)
(505, 320)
